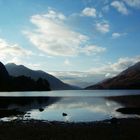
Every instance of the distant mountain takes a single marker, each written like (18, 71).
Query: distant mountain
(20, 83)
(55, 83)
(128, 79)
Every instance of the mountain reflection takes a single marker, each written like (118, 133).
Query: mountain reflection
(76, 109)
(15, 106)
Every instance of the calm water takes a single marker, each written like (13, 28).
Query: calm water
(79, 105)
(69, 93)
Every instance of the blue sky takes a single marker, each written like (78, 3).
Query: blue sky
(77, 41)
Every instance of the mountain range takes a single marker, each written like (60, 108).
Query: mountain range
(20, 78)
(21, 83)
(128, 79)
(55, 83)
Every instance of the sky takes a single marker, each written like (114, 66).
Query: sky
(81, 41)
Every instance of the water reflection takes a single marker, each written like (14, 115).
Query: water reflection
(79, 109)
(20, 107)
(73, 109)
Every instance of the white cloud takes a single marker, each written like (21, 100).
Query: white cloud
(108, 75)
(34, 66)
(113, 69)
(54, 15)
(90, 12)
(117, 35)
(96, 74)
(53, 37)
(19, 61)
(133, 3)
(102, 27)
(92, 49)
(67, 62)
(120, 7)
(81, 79)
(10, 51)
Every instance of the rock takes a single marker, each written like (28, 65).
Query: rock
(41, 109)
(64, 114)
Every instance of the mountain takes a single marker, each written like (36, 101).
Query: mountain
(23, 83)
(4, 78)
(128, 79)
(20, 83)
(3, 72)
(55, 83)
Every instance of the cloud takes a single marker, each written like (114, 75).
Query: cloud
(96, 74)
(13, 53)
(20, 61)
(133, 3)
(55, 15)
(89, 12)
(81, 79)
(67, 62)
(102, 27)
(92, 49)
(117, 35)
(53, 37)
(113, 69)
(120, 7)
(10, 51)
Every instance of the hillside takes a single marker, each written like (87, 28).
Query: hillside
(4, 78)
(128, 79)
(55, 83)
(20, 83)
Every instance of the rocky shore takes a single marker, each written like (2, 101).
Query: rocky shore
(123, 129)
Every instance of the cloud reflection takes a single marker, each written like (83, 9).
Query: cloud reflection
(79, 109)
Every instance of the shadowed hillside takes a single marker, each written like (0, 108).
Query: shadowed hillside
(55, 83)
(21, 83)
(128, 79)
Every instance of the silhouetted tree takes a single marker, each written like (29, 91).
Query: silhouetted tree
(42, 84)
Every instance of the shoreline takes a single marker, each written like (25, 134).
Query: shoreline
(124, 129)
(131, 104)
